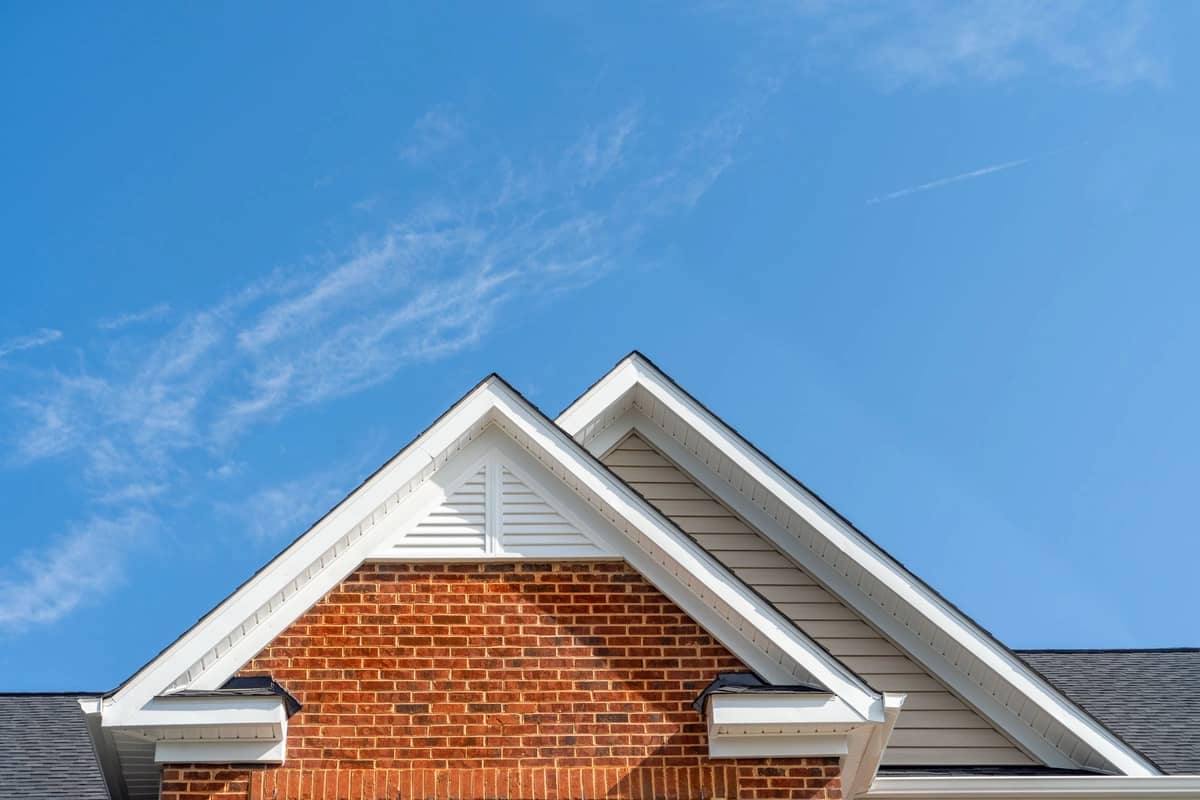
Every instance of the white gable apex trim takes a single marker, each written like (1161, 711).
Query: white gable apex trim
(997, 683)
(401, 494)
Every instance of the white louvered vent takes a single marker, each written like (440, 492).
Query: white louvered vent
(501, 511)
(458, 525)
(531, 526)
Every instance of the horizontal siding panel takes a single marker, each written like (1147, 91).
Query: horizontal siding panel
(940, 700)
(670, 491)
(950, 718)
(648, 474)
(859, 647)
(882, 665)
(752, 558)
(713, 525)
(825, 611)
(955, 756)
(732, 541)
(692, 508)
(906, 683)
(763, 579)
(634, 458)
(941, 737)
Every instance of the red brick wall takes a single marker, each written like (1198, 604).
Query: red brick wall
(518, 681)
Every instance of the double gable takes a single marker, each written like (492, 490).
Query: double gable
(839, 653)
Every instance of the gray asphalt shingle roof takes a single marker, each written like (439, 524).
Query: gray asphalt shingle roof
(46, 750)
(1150, 698)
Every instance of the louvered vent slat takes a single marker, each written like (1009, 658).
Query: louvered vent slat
(459, 523)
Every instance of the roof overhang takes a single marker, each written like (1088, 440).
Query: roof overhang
(637, 395)
(789, 724)
(212, 728)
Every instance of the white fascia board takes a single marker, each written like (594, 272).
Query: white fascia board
(635, 370)
(1067, 787)
(188, 711)
(692, 558)
(793, 711)
(226, 752)
(829, 746)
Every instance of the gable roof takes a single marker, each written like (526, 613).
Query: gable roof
(46, 749)
(403, 490)
(1150, 697)
(927, 626)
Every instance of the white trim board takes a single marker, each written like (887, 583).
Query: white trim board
(492, 421)
(802, 527)
(1066, 787)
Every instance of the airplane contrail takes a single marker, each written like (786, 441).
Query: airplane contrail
(924, 187)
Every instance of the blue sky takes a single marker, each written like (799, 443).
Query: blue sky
(938, 261)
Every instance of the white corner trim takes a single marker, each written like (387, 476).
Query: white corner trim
(1066, 787)
(859, 772)
(635, 370)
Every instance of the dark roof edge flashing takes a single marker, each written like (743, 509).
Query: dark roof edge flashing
(749, 683)
(250, 686)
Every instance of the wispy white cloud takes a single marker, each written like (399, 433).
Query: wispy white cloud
(436, 130)
(965, 176)
(118, 321)
(154, 415)
(28, 341)
(43, 586)
(932, 42)
(604, 148)
(282, 511)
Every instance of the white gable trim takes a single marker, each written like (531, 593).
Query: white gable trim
(397, 496)
(766, 494)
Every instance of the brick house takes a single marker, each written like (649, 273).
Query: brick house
(627, 601)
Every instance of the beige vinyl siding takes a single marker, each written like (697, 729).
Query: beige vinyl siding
(935, 727)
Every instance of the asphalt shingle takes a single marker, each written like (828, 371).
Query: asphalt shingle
(1150, 698)
(46, 750)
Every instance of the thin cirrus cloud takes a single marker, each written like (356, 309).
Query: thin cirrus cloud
(932, 42)
(937, 184)
(435, 131)
(29, 341)
(164, 413)
(118, 321)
